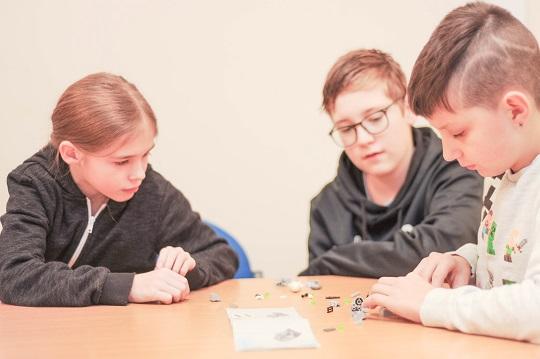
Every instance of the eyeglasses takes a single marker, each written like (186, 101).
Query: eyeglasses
(374, 124)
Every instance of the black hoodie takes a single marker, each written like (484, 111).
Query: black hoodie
(47, 215)
(437, 209)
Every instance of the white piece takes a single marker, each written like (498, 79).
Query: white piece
(294, 286)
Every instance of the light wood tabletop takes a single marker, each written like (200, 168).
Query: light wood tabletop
(198, 328)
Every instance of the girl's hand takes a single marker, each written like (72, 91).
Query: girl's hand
(175, 259)
(161, 285)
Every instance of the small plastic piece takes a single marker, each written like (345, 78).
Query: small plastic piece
(329, 309)
(313, 284)
(294, 286)
(357, 313)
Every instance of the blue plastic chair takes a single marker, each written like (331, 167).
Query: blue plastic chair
(244, 269)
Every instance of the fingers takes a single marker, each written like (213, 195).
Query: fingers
(160, 263)
(375, 300)
(175, 259)
(176, 285)
(440, 273)
(185, 292)
(427, 265)
(164, 297)
(388, 280)
(161, 285)
(380, 291)
(183, 264)
(401, 295)
(176, 294)
(188, 265)
(460, 278)
(381, 288)
(461, 272)
(167, 257)
(173, 254)
(179, 263)
(168, 294)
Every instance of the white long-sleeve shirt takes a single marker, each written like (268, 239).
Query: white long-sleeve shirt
(506, 261)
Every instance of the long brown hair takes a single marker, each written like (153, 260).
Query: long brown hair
(98, 109)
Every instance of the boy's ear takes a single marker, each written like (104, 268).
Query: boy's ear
(517, 106)
(70, 154)
(410, 117)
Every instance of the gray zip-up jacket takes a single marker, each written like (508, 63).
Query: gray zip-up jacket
(47, 217)
(437, 209)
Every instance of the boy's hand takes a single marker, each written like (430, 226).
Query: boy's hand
(175, 259)
(440, 268)
(401, 295)
(161, 285)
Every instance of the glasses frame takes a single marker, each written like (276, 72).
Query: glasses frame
(354, 126)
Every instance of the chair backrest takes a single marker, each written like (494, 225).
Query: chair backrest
(244, 269)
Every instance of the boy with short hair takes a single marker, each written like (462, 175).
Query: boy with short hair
(478, 82)
(394, 199)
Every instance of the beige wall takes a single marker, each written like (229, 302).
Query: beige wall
(235, 85)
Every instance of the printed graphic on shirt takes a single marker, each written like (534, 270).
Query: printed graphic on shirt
(487, 201)
(514, 245)
(488, 198)
(491, 238)
(486, 224)
(491, 279)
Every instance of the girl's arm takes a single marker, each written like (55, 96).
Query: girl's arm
(26, 278)
(182, 227)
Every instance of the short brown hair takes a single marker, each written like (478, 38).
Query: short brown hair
(356, 69)
(98, 109)
(479, 51)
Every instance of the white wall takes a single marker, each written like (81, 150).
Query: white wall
(236, 86)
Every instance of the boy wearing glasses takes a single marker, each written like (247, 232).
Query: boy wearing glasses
(394, 199)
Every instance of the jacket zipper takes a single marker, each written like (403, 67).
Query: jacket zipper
(87, 232)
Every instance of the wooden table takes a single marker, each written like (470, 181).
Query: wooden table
(198, 328)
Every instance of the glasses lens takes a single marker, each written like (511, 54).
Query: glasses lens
(376, 123)
(344, 137)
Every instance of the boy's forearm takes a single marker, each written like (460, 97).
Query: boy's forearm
(509, 311)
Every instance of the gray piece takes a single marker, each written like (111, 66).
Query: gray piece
(358, 316)
(277, 315)
(287, 335)
(313, 284)
(283, 282)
